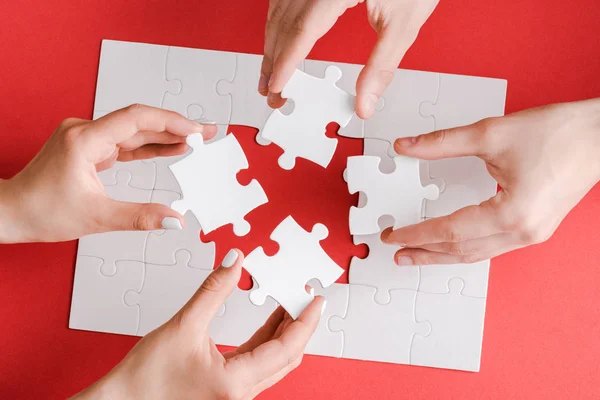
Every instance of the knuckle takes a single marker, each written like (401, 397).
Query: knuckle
(212, 284)
(142, 221)
(487, 137)
(275, 13)
(459, 249)
(437, 137)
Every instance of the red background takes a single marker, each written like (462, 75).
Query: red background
(543, 310)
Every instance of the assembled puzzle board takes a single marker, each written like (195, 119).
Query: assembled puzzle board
(132, 282)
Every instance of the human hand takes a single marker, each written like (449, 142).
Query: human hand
(545, 159)
(58, 195)
(180, 361)
(294, 26)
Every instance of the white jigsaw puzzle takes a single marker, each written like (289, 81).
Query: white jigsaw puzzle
(300, 258)
(165, 290)
(456, 329)
(98, 302)
(317, 102)
(379, 269)
(398, 194)
(379, 332)
(211, 191)
(379, 316)
(131, 73)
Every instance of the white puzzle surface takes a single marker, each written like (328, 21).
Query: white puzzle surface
(131, 282)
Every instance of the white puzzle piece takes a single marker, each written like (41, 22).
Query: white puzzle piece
(436, 278)
(456, 329)
(132, 73)
(400, 115)
(198, 72)
(350, 72)
(240, 318)
(165, 290)
(98, 302)
(210, 188)
(317, 102)
(323, 341)
(379, 269)
(379, 332)
(163, 245)
(398, 194)
(300, 258)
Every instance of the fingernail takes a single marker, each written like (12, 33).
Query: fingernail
(407, 141)
(229, 259)
(171, 223)
(271, 98)
(323, 307)
(404, 260)
(209, 122)
(263, 83)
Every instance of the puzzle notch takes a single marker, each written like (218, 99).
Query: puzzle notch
(391, 328)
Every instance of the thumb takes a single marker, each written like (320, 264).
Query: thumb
(392, 43)
(456, 142)
(208, 299)
(125, 216)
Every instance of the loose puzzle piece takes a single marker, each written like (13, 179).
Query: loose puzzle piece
(456, 329)
(165, 290)
(324, 342)
(198, 72)
(284, 275)
(98, 302)
(132, 73)
(378, 269)
(400, 115)
(117, 245)
(240, 318)
(379, 332)
(317, 102)
(385, 151)
(210, 188)
(398, 194)
(162, 246)
(350, 72)
(466, 182)
(142, 174)
(474, 277)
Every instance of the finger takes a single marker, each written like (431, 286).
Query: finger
(466, 140)
(267, 383)
(392, 43)
(467, 223)
(411, 256)
(126, 122)
(277, 9)
(113, 215)
(208, 299)
(472, 246)
(150, 137)
(264, 333)
(152, 151)
(313, 20)
(273, 356)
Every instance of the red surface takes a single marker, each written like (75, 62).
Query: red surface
(543, 319)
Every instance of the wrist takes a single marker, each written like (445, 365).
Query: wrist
(11, 226)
